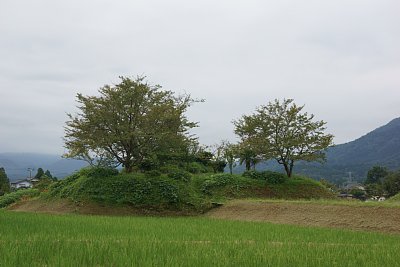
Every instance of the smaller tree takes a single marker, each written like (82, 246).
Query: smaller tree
(247, 155)
(230, 153)
(4, 182)
(282, 131)
(392, 183)
(376, 175)
(48, 174)
(39, 174)
(218, 162)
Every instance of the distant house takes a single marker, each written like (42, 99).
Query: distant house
(25, 183)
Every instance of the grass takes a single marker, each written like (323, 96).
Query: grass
(13, 197)
(70, 240)
(195, 194)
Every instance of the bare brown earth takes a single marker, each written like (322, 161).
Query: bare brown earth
(366, 218)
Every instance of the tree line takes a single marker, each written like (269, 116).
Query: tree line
(140, 126)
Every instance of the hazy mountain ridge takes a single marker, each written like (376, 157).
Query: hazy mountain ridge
(378, 147)
(17, 164)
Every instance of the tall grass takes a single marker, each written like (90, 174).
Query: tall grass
(70, 240)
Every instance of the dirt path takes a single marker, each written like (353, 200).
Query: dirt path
(381, 219)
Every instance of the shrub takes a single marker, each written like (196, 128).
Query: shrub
(180, 175)
(215, 181)
(98, 172)
(13, 197)
(169, 168)
(196, 167)
(149, 164)
(153, 173)
(269, 176)
(253, 175)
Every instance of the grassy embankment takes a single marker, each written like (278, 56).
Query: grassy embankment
(28, 239)
(179, 192)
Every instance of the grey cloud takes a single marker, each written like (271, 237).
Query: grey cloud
(339, 58)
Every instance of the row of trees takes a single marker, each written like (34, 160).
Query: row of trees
(134, 123)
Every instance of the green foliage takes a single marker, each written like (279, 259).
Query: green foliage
(196, 168)
(39, 174)
(153, 173)
(374, 190)
(180, 175)
(358, 193)
(44, 183)
(376, 175)
(269, 176)
(332, 187)
(98, 172)
(13, 197)
(395, 198)
(177, 189)
(149, 164)
(216, 181)
(392, 183)
(218, 165)
(128, 123)
(4, 182)
(282, 132)
(48, 174)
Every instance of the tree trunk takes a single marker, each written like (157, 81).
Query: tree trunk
(248, 165)
(287, 169)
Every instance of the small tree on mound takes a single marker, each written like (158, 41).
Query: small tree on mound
(283, 132)
(127, 124)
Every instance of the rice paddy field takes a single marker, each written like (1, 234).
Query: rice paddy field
(32, 239)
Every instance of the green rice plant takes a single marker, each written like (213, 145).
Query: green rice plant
(69, 240)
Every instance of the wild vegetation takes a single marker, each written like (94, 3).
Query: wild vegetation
(178, 190)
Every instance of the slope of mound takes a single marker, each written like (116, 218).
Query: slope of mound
(178, 194)
(368, 218)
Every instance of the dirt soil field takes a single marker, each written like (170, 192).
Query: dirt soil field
(367, 218)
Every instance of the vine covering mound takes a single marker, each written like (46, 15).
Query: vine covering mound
(179, 192)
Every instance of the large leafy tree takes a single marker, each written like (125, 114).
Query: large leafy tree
(128, 123)
(282, 131)
(4, 182)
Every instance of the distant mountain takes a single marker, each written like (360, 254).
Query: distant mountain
(17, 164)
(379, 147)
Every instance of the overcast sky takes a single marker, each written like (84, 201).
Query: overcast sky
(340, 58)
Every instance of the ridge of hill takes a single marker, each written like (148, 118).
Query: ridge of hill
(378, 147)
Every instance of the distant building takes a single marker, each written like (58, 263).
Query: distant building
(25, 183)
